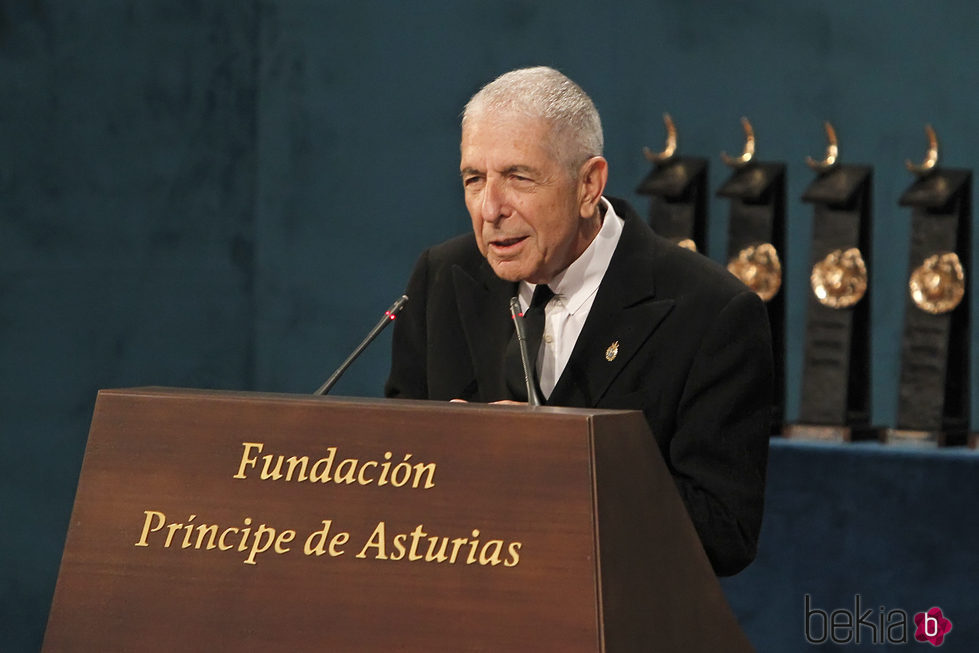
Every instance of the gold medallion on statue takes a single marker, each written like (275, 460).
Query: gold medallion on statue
(938, 284)
(840, 279)
(758, 267)
(687, 243)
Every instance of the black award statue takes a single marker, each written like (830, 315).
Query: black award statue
(677, 187)
(835, 401)
(756, 243)
(933, 391)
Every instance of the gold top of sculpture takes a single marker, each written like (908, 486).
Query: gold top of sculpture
(670, 150)
(931, 158)
(832, 158)
(748, 154)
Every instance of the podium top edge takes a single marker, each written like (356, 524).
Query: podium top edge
(166, 392)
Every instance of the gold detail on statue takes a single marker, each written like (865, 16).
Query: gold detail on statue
(840, 279)
(832, 158)
(669, 152)
(938, 284)
(612, 351)
(931, 158)
(759, 268)
(747, 154)
(687, 243)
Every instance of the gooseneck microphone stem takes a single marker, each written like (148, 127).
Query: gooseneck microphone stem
(518, 323)
(389, 316)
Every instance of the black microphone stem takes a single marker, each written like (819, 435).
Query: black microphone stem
(389, 316)
(532, 398)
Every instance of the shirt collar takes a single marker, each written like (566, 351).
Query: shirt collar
(580, 280)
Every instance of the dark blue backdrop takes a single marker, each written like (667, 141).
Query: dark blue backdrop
(226, 194)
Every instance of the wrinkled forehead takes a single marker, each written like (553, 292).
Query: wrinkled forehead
(504, 119)
(508, 128)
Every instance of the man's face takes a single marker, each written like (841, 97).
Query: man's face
(524, 204)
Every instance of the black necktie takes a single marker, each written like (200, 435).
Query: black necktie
(534, 322)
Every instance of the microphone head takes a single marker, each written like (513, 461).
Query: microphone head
(517, 316)
(397, 306)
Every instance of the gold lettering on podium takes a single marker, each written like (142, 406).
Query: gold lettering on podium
(419, 545)
(349, 471)
(254, 538)
(212, 536)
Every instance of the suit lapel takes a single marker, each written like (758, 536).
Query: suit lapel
(484, 310)
(625, 313)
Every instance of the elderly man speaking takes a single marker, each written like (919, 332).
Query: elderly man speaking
(623, 318)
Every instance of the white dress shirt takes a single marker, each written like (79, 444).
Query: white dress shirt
(574, 292)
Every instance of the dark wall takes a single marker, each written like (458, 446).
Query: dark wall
(226, 194)
(127, 227)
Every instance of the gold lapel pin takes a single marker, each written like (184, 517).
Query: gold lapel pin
(612, 351)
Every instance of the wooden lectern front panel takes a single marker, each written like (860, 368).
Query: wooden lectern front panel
(236, 521)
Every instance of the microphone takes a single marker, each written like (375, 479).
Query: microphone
(389, 316)
(532, 397)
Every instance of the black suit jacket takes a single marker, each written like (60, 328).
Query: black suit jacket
(694, 354)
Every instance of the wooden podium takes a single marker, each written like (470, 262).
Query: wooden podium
(209, 521)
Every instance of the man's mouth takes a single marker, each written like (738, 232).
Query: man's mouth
(507, 243)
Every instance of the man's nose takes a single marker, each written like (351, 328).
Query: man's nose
(494, 201)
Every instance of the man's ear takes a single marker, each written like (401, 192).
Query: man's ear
(592, 178)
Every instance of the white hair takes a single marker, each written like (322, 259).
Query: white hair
(543, 93)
